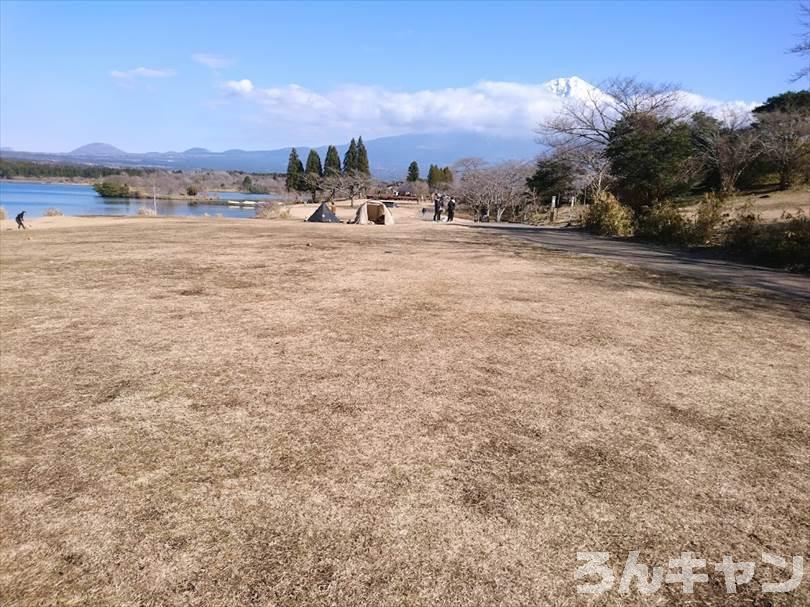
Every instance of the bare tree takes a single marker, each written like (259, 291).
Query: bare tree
(487, 188)
(591, 167)
(785, 140)
(588, 120)
(470, 184)
(351, 185)
(803, 47)
(420, 189)
(729, 147)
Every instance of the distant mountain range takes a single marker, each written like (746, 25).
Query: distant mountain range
(389, 156)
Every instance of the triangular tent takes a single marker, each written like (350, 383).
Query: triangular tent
(323, 214)
(373, 212)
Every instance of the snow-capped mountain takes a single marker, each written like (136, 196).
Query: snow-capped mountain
(575, 88)
(572, 87)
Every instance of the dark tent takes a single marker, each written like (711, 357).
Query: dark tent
(323, 214)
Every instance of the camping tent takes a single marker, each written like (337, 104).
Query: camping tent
(373, 212)
(323, 214)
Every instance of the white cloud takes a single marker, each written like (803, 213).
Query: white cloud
(215, 62)
(239, 87)
(142, 72)
(498, 108)
(718, 109)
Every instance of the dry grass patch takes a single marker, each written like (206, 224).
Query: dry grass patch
(213, 413)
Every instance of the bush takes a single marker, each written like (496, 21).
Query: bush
(191, 190)
(663, 223)
(537, 217)
(51, 212)
(111, 189)
(146, 212)
(785, 243)
(607, 217)
(708, 220)
(272, 210)
(2, 213)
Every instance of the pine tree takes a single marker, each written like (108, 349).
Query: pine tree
(294, 171)
(434, 176)
(413, 171)
(331, 165)
(350, 158)
(362, 158)
(314, 164)
(447, 175)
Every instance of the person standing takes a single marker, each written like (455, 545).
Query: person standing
(451, 210)
(437, 208)
(19, 220)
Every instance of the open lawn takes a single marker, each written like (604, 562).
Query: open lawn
(240, 412)
(770, 206)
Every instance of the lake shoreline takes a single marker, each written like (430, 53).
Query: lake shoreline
(36, 197)
(44, 181)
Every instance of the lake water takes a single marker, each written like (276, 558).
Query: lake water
(34, 198)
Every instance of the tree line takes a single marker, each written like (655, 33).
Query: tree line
(22, 168)
(642, 145)
(638, 143)
(351, 177)
(437, 177)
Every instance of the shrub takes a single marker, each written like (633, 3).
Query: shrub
(51, 212)
(663, 223)
(146, 212)
(191, 190)
(112, 189)
(537, 217)
(272, 210)
(708, 220)
(784, 243)
(2, 213)
(608, 217)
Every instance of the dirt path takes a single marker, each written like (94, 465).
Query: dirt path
(660, 259)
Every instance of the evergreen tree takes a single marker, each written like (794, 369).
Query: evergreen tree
(294, 171)
(790, 101)
(350, 158)
(331, 165)
(649, 159)
(434, 176)
(362, 157)
(314, 164)
(554, 176)
(447, 175)
(413, 171)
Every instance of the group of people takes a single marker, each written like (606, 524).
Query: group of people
(440, 202)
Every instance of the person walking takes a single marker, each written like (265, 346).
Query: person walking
(19, 220)
(451, 209)
(437, 208)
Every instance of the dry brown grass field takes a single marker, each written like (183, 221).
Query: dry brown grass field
(237, 412)
(769, 206)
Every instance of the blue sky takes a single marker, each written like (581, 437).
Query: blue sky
(262, 75)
